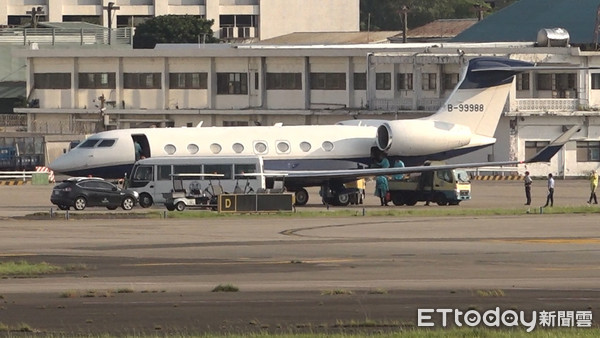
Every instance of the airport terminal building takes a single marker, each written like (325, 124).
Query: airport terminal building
(81, 91)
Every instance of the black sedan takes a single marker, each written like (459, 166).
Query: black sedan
(81, 192)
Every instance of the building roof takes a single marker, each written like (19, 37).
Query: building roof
(331, 38)
(522, 20)
(442, 29)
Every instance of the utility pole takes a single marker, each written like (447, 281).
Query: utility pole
(109, 9)
(35, 13)
(404, 11)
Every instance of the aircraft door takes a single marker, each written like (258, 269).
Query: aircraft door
(141, 146)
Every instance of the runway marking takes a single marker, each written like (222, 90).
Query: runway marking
(590, 240)
(17, 254)
(304, 261)
(579, 268)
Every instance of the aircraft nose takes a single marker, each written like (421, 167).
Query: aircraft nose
(63, 163)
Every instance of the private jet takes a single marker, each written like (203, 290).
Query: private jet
(464, 123)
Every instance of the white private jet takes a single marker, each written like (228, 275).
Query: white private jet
(466, 122)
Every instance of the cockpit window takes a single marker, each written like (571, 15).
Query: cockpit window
(106, 143)
(89, 143)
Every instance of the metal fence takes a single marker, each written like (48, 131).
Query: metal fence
(54, 36)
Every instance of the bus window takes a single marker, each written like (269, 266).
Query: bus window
(187, 169)
(143, 173)
(163, 172)
(225, 169)
(245, 169)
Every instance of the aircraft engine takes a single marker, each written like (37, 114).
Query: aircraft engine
(420, 137)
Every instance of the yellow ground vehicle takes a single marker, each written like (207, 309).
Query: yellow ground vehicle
(444, 187)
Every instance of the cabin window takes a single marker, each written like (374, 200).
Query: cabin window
(170, 149)
(215, 148)
(106, 143)
(52, 80)
(328, 81)
(97, 81)
(232, 83)
(327, 146)
(588, 151)
(260, 147)
(237, 147)
(192, 148)
(284, 81)
(383, 81)
(283, 147)
(305, 146)
(360, 81)
(89, 143)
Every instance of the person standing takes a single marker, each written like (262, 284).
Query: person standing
(550, 198)
(593, 186)
(527, 181)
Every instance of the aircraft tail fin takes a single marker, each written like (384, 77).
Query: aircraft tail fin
(479, 99)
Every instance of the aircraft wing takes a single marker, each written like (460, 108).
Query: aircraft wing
(543, 155)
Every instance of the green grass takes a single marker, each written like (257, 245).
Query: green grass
(26, 269)
(225, 288)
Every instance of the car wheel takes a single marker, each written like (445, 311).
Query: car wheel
(441, 199)
(128, 203)
(64, 207)
(180, 206)
(301, 197)
(170, 207)
(145, 200)
(80, 203)
(111, 207)
(342, 200)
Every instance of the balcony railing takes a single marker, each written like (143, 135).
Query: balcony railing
(53, 36)
(547, 105)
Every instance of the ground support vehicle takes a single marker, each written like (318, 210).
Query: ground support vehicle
(444, 187)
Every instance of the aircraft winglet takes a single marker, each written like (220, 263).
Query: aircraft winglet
(551, 149)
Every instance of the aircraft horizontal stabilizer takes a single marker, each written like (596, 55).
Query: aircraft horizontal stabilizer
(543, 155)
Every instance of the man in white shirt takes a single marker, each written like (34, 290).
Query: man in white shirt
(550, 198)
(527, 182)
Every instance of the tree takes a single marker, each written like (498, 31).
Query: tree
(385, 14)
(173, 29)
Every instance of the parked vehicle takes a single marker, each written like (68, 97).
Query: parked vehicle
(82, 192)
(444, 187)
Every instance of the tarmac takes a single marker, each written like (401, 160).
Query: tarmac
(295, 274)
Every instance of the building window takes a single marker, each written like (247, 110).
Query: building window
(283, 81)
(383, 81)
(188, 80)
(450, 81)
(141, 80)
(596, 81)
(405, 81)
(588, 151)
(232, 83)
(533, 147)
(522, 81)
(429, 81)
(52, 80)
(360, 81)
(561, 81)
(97, 81)
(328, 81)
